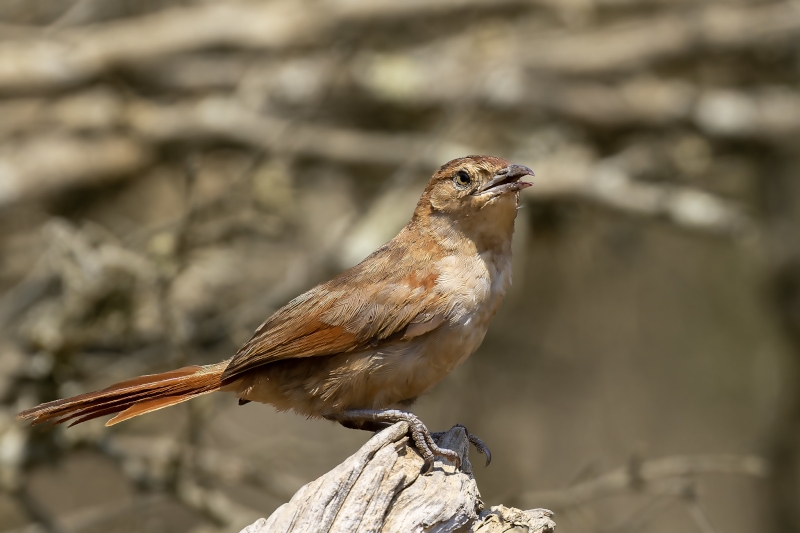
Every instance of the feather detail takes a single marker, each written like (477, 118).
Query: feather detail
(148, 406)
(131, 397)
(390, 296)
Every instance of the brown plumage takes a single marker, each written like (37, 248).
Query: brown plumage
(132, 397)
(375, 337)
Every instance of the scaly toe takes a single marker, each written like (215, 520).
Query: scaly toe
(428, 448)
(450, 455)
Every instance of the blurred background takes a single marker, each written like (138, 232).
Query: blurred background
(172, 172)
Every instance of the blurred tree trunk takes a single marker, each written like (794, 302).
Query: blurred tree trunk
(783, 239)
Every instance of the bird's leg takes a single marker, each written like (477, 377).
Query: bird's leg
(365, 425)
(369, 418)
(480, 446)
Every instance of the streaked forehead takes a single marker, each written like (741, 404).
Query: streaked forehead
(485, 162)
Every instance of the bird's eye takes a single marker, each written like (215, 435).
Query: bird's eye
(462, 178)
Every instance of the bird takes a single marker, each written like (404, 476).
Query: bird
(362, 347)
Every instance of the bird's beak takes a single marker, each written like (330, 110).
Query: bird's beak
(507, 180)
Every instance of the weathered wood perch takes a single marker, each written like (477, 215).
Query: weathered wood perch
(380, 488)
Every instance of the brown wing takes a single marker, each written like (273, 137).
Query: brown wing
(388, 296)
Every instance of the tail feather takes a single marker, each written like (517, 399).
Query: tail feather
(90, 416)
(148, 406)
(132, 397)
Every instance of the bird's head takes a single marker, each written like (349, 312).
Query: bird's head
(479, 194)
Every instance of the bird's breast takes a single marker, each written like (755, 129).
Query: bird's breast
(474, 286)
(471, 289)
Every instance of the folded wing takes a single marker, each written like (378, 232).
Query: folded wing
(362, 308)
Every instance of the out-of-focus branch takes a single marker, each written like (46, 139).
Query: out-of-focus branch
(767, 114)
(56, 162)
(35, 168)
(573, 173)
(85, 111)
(227, 119)
(61, 161)
(519, 59)
(69, 56)
(770, 114)
(607, 183)
(637, 43)
(638, 476)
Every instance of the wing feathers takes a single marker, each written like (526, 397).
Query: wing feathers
(357, 310)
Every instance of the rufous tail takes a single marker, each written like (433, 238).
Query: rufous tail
(132, 397)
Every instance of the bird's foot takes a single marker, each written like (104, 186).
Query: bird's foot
(480, 446)
(420, 435)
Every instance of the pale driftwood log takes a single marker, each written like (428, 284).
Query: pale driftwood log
(380, 488)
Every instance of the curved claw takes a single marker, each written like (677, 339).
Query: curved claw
(480, 446)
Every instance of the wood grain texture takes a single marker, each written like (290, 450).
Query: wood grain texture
(380, 489)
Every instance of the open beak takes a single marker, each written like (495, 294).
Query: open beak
(507, 180)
